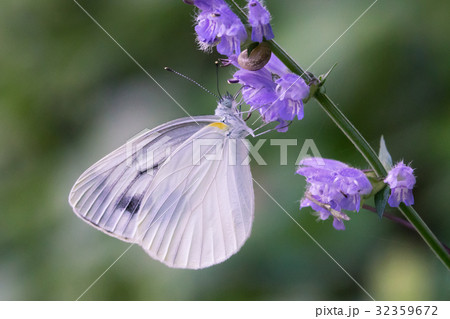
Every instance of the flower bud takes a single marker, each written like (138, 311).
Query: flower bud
(257, 58)
(233, 81)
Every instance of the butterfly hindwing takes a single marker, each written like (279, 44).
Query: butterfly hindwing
(198, 212)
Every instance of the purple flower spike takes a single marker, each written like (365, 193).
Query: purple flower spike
(275, 92)
(332, 186)
(401, 180)
(218, 25)
(259, 19)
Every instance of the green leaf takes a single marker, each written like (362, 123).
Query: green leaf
(381, 199)
(384, 155)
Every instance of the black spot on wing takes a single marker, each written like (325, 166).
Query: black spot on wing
(131, 204)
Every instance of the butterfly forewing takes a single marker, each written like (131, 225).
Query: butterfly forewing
(109, 194)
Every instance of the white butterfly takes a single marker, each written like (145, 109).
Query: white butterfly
(182, 209)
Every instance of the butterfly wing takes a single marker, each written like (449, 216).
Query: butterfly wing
(198, 213)
(109, 194)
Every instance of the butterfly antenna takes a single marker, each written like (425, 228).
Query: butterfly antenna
(191, 80)
(217, 79)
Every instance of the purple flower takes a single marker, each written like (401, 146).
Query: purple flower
(218, 25)
(259, 19)
(332, 186)
(275, 92)
(401, 180)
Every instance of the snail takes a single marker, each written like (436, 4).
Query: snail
(257, 58)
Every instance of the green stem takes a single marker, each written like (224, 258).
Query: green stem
(371, 157)
(351, 132)
(424, 231)
(360, 143)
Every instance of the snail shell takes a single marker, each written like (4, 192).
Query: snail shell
(257, 59)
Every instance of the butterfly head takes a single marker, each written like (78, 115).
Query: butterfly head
(226, 105)
(227, 101)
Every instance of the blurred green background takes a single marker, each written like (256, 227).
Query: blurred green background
(69, 95)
